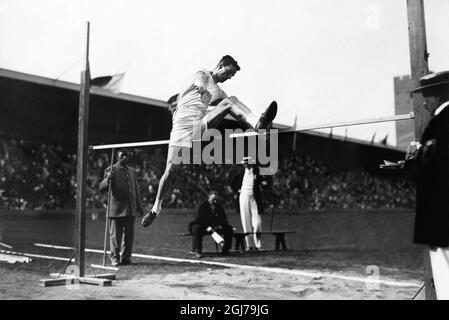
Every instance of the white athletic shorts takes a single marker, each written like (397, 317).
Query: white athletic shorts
(189, 123)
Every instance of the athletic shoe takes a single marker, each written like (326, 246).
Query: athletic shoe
(268, 116)
(114, 263)
(148, 218)
(196, 254)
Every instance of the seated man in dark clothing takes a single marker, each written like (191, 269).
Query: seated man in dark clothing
(210, 213)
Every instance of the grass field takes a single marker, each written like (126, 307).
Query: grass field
(342, 242)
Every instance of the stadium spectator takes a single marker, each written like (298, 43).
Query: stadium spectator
(41, 176)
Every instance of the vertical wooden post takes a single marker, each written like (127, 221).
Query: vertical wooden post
(83, 121)
(419, 68)
(418, 60)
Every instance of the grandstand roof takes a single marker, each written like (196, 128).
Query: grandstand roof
(159, 103)
(353, 140)
(75, 87)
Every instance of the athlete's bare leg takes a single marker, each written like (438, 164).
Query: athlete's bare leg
(170, 174)
(239, 111)
(166, 182)
(233, 106)
(230, 105)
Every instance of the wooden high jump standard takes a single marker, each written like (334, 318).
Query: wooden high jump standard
(81, 172)
(78, 277)
(419, 68)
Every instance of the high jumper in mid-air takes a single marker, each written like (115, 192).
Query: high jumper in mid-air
(192, 115)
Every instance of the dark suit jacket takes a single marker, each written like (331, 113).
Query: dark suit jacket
(125, 193)
(432, 183)
(206, 217)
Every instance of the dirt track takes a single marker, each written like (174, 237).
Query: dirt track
(176, 282)
(320, 246)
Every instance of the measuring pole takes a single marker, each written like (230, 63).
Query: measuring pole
(106, 226)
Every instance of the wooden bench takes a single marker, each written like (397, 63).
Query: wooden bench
(189, 234)
(279, 238)
(240, 238)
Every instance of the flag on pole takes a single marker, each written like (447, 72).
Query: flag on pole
(112, 83)
(295, 133)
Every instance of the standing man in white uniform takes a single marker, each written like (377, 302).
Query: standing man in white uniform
(191, 116)
(249, 206)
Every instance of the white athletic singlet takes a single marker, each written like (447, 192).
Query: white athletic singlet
(192, 108)
(191, 97)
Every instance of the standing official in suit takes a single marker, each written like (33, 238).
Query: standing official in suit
(432, 179)
(125, 205)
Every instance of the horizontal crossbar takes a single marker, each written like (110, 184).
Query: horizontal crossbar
(247, 134)
(400, 117)
(129, 145)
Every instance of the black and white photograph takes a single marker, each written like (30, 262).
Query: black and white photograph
(224, 155)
